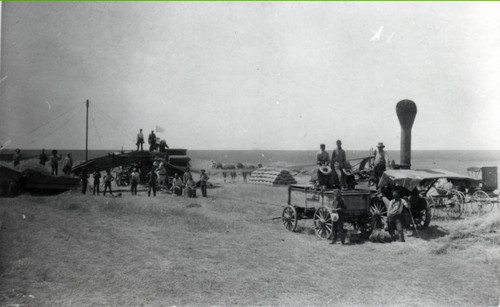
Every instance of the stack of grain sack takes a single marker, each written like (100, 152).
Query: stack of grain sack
(271, 176)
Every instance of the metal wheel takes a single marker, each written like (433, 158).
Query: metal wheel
(423, 218)
(289, 218)
(323, 223)
(482, 201)
(377, 206)
(455, 204)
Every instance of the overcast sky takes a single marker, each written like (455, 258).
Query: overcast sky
(242, 75)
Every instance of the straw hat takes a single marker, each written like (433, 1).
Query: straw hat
(325, 170)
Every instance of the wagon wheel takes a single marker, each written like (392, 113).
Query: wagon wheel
(289, 218)
(323, 223)
(482, 201)
(377, 206)
(455, 204)
(422, 218)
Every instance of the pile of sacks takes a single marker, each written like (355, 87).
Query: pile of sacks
(270, 176)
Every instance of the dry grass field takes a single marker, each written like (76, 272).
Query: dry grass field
(74, 250)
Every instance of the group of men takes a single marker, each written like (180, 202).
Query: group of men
(54, 162)
(340, 166)
(339, 162)
(161, 146)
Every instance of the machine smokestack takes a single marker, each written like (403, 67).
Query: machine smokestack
(406, 111)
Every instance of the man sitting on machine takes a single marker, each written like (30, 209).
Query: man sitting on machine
(324, 178)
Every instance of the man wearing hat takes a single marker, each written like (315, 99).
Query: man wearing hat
(338, 163)
(381, 162)
(338, 207)
(324, 171)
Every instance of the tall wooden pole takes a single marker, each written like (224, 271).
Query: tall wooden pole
(87, 133)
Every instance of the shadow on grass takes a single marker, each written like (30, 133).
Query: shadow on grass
(432, 232)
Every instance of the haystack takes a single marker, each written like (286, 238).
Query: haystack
(272, 176)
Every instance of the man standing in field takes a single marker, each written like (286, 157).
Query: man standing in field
(338, 207)
(338, 163)
(107, 182)
(185, 178)
(97, 178)
(203, 183)
(152, 178)
(394, 214)
(134, 181)
(140, 140)
(84, 176)
(381, 162)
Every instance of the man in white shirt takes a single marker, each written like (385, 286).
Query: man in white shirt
(394, 214)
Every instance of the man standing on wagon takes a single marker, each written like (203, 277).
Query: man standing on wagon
(140, 140)
(381, 162)
(338, 163)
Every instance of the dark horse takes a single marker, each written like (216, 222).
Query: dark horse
(219, 165)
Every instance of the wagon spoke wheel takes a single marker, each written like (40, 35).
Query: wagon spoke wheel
(289, 218)
(422, 218)
(323, 223)
(378, 207)
(455, 204)
(482, 201)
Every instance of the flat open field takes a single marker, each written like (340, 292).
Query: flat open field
(73, 249)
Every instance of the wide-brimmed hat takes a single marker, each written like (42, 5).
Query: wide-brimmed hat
(380, 144)
(325, 170)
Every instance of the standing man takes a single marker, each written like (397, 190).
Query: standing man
(381, 162)
(152, 182)
(152, 141)
(140, 140)
(338, 162)
(68, 164)
(134, 181)
(203, 183)
(338, 225)
(43, 157)
(185, 178)
(107, 182)
(16, 157)
(97, 178)
(54, 162)
(394, 214)
(84, 176)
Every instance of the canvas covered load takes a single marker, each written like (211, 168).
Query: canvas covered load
(410, 179)
(271, 176)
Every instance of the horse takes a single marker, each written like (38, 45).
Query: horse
(226, 167)
(245, 168)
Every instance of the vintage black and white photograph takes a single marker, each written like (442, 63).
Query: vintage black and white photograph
(252, 153)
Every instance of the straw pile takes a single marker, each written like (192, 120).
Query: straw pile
(271, 177)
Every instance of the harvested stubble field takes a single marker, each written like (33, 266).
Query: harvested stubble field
(78, 250)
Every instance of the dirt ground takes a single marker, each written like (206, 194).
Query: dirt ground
(74, 249)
